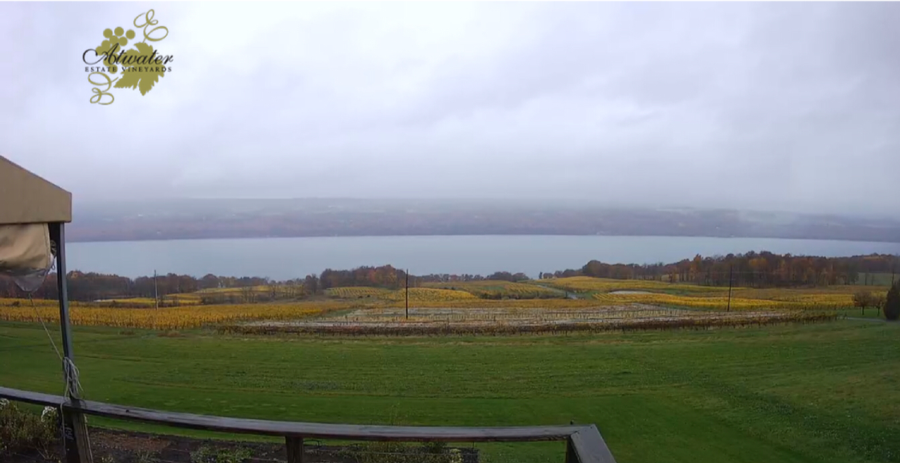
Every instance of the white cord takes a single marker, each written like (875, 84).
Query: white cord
(69, 369)
(49, 336)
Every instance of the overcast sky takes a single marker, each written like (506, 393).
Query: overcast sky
(762, 106)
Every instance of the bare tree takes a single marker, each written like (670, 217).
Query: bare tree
(863, 299)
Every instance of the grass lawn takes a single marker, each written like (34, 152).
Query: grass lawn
(877, 278)
(810, 393)
(869, 312)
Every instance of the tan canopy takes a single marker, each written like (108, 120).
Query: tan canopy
(27, 198)
(24, 249)
(27, 204)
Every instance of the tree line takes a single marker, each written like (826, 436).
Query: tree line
(763, 269)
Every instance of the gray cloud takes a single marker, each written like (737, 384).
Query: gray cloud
(764, 106)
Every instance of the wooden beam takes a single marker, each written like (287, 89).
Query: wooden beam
(299, 429)
(35, 398)
(328, 431)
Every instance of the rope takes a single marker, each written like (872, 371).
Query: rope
(49, 336)
(69, 369)
(72, 377)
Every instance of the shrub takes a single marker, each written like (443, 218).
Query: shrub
(396, 452)
(22, 431)
(144, 456)
(207, 454)
(892, 303)
(140, 457)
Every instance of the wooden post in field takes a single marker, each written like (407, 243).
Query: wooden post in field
(407, 294)
(730, 275)
(75, 435)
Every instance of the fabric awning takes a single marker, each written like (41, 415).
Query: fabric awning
(25, 247)
(26, 253)
(28, 203)
(27, 198)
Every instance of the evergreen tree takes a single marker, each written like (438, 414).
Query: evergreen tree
(892, 303)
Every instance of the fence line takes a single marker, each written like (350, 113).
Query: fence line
(584, 442)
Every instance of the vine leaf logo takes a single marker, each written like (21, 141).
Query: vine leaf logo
(136, 68)
(141, 77)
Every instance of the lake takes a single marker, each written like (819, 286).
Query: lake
(285, 258)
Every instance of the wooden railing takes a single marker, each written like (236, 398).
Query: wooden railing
(584, 443)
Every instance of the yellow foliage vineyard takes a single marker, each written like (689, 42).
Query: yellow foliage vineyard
(493, 289)
(475, 303)
(14, 302)
(710, 297)
(484, 295)
(132, 302)
(415, 294)
(721, 302)
(589, 284)
(823, 299)
(239, 289)
(455, 291)
(357, 292)
(149, 302)
(167, 318)
(418, 295)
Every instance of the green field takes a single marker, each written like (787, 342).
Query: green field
(876, 278)
(811, 393)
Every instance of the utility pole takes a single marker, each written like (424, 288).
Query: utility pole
(155, 290)
(407, 294)
(730, 275)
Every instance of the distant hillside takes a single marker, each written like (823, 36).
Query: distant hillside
(195, 219)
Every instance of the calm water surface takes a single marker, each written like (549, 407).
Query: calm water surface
(283, 258)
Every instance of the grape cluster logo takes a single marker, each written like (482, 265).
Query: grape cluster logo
(111, 65)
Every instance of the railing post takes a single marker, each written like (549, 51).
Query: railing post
(571, 454)
(294, 449)
(75, 434)
(587, 446)
(76, 442)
